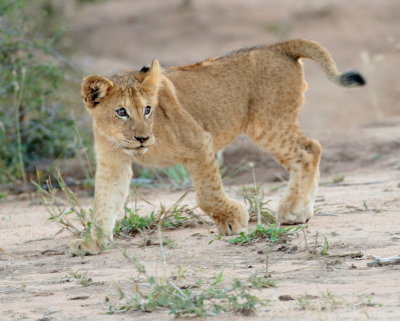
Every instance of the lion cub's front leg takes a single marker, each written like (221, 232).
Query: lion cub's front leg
(229, 215)
(111, 190)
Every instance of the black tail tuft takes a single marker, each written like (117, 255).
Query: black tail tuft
(351, 79)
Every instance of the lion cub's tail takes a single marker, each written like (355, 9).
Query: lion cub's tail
(301, 48)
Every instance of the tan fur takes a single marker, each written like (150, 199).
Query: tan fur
(197, 110)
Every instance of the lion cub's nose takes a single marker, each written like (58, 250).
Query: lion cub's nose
(141, 139)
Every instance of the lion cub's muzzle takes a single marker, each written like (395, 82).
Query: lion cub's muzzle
(139, 143)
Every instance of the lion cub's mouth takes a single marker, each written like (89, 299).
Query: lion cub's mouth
(141, 147)
(133, 148)
(135, 151)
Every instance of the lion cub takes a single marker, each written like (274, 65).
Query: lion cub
(183, 115)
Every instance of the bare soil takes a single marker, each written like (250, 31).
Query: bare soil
(359, 130)
(360, 214)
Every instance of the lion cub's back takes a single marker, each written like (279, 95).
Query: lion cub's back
(218, 92)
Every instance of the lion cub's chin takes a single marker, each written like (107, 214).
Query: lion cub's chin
(136, 152)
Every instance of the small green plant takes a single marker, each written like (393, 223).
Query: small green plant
(272, 233)
(153, 294)
(313, 250)
(81, 278)
(254, 198)
(177, 216)
(261, 282)
(331, 302)
(367, 300)
(133, 223)
(327, 301)
(338, 178)
(3, 195)
(305, 302)
(258, 208)
(62, 210)
(169, 242)
(325, 247)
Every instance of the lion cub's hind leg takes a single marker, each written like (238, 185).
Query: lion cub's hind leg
(229, 215)
(300, 156)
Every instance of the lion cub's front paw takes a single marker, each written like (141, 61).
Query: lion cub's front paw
(295, 214)
(81, 247)
(232, 221)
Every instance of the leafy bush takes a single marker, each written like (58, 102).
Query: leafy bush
(34, 124)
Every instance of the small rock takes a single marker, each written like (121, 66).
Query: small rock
(288, 249)
(285, 297)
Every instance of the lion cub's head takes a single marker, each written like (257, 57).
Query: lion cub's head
(122, 107)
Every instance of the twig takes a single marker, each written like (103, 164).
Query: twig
(52, 252)
(162, 253)
(37, 240)
(316, 242)
(353, 255)
(6, 252)
(355, 184)
(18, 92)
(289, 271)
(164, 214)
(257, 206)
(267, 252)
(133, 259)
(306, 243)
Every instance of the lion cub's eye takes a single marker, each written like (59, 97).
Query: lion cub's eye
(147, 111)
(122, 113)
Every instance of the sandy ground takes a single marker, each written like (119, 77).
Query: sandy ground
(359, 130)
(360, 214)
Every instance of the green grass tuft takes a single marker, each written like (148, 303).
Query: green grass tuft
(272, 233)
(178, 216)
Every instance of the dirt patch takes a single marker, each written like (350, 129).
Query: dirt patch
(358, 215)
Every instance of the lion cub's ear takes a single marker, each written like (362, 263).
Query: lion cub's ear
(94, 88)
(151, 83)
